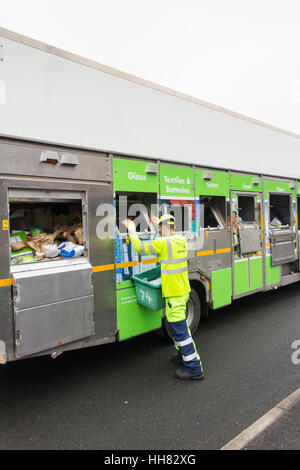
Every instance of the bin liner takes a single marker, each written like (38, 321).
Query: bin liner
(70, 250)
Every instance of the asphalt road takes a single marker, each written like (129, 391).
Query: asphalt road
(125, 396)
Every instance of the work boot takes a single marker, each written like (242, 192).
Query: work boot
(177, 358)
(183, 374)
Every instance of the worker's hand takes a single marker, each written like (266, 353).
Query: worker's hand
(154, 220)
(129, 225)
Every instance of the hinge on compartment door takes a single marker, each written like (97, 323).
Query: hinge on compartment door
(16, 293)
(17, 336)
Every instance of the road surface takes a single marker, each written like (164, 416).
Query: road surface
(125, 397)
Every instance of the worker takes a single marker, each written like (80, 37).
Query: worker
(171, 250)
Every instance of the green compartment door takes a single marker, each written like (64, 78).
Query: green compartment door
(256, 273)
(132, 318)
(248, 275)
(221, 287)
(272, 272)
(241, 276)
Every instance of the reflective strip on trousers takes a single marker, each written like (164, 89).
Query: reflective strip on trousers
(166, 271)
(184, 343)
(182, 336)
(190, 357)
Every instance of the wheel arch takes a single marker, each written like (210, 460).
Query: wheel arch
(201, 287)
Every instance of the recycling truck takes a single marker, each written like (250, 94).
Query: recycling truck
(81, 146)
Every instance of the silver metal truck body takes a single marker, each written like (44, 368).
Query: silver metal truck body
(52, 304)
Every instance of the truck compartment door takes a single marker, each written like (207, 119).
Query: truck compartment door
(249, 238)
(283, 246)
(52, 307)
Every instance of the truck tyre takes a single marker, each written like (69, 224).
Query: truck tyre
(193, 316)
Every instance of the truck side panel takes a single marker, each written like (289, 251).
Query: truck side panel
(6, 317)
(49, 292)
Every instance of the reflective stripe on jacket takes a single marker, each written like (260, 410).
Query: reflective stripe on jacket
(172, 255)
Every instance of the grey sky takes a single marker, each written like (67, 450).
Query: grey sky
(240, 54)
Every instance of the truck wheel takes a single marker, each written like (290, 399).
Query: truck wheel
(193, 315)
(193, 311)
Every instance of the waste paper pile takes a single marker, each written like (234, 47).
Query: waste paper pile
(35, 245)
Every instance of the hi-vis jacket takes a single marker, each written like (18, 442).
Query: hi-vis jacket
(172, 255)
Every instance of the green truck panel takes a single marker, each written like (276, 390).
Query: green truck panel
(253, 267)
(272, 272)
(256, 273)
(271, 186)
(176, 181)
(132, 175)
(124, 284)
(172, 182)
(218, 185)
(221, 285)
(134, 319)
(239, 182)
(241, 277)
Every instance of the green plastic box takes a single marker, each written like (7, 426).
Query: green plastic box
(148, 289)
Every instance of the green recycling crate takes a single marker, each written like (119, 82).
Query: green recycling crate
(148, 289)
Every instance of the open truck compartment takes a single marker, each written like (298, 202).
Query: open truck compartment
(247, 236)
(139, 207)
(44, 227)
(214, 212)
(282, 234)
(183, 212)
(249, 219)
(53, 293)
(246, 225)
(136, 205)
(280, 210)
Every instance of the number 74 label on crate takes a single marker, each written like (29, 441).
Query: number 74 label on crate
(145, 296)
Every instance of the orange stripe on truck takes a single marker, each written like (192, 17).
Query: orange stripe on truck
(110, 267)
(6, 282)
(211, 252)
(126, 265)
(104, 267)
(205, 253)
(223, 250)
(150, 261)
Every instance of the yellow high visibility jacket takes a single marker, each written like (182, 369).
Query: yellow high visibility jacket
(172, 255)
